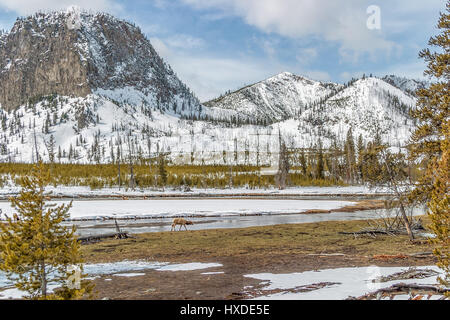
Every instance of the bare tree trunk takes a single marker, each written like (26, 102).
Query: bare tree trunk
(35, 145)
(406, 222)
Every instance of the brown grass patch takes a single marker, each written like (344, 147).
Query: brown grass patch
(214, 244)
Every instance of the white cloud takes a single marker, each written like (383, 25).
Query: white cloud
(26, 7)
(315, 75)
(209, 76)
(306, 55)
(185, 41)
(343, 22)
(410, 69)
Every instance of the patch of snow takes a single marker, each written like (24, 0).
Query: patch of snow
(101, 209)
(210, 273)
(129, 275)
(188, 266)
(120, 269)
(354, 282)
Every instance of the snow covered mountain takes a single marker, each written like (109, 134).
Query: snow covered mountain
(408, 85)
(86, 88)
(368, 106)
(275, 99)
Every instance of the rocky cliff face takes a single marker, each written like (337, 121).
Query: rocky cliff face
(37, 59)
(75, 53)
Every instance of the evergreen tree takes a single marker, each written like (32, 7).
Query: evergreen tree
(360, 163)
(59, 153)
(36, 250)
(51, 149)
(162, 170)
(431, 141)
(282, 176)
(432, 110)
(350, 156)
(320, 163)
(303, 162)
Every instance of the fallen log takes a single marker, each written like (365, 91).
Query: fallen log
(365, 232)
(402, 288)
(95, 238)
(421, 254)
(411, 273)
(389, 256)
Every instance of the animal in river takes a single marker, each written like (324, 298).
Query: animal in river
(181, 222)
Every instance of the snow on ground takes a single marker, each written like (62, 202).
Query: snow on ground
(129, 275)
(188, 266)
(127, 266)
(353, 282)
(81, 191)
(211, 273)
(156, 208)
(121, 269)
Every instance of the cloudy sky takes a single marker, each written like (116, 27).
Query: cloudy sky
(217, 45)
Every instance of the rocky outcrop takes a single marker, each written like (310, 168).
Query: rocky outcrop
(76, 53)
(38, 60)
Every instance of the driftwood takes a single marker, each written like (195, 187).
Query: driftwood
(374, 232)
(371, 233)
(367, 232)
(411, 273)
(95, 238)
(403, 288)
(421, 254)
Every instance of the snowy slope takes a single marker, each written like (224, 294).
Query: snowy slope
(277, 98)
(408, 85)
(368, 106)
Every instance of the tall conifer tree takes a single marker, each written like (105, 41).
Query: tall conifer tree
(431, 141)
(36, 250)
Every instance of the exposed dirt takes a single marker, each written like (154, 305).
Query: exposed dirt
(179, 285)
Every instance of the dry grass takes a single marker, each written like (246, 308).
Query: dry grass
(359, 206)
(295, 239)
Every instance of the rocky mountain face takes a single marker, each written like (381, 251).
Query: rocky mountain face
(75, 53)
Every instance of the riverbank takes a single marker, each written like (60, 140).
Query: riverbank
(278, 249)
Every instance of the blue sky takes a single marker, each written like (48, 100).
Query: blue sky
(219, 45)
